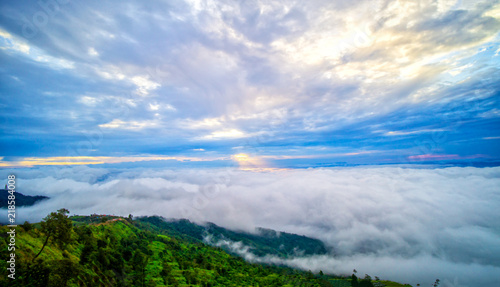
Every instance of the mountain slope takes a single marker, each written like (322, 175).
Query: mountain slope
(264, 242)
(115, 251)
(119, 253)
(21, 199)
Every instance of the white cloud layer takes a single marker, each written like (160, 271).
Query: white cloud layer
(406, 224)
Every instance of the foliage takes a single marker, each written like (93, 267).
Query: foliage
(56, 226)
(126, 252)
(27, 226)
(265, 242)
(394, 284)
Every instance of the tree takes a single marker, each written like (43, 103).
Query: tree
(366, 282)
(62, 271)
(27, 226)
(37, 274)
(87, 250)
(139, 263)
(354, 280)
(436, 283)
(56, 226)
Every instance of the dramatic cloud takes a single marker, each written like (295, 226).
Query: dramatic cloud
(408, 224)
(269, 77)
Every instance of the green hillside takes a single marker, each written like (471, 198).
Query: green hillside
(265, 242)
(113, 251)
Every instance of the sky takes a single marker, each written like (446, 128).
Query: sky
(256, 84)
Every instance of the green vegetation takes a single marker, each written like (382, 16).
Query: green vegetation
(394, 284)
(265, 242)
(113, 251)
(56, 226)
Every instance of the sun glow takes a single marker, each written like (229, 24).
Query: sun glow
(241, 157)
(251, 163)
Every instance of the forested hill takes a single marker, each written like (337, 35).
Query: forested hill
(21, 199)
(113, 251)
(264, 242)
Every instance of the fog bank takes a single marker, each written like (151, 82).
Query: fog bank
(405, 224)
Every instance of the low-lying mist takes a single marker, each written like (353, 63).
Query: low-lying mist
(405, 224)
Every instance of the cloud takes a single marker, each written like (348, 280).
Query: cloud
(131, 125)
(424, 157)
(300, 72)
(232, 133)
(87, 160)
(404, 133)
(433, 156)
(407, 224)
(20, 47)
(10, 43)
(93, 52)
(144, 85)
(391, 266)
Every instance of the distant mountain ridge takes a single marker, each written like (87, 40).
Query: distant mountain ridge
(21, 199)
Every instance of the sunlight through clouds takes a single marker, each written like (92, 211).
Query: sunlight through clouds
(251, 163)
(212, 73)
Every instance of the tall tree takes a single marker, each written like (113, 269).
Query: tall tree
(57, 227)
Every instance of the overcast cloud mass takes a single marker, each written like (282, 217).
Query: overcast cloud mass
(407, 224)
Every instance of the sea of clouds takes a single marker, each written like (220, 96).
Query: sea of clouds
(411, 225)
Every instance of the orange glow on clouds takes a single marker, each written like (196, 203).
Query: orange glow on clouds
(247, 162)
(87, 160)
(253, 163)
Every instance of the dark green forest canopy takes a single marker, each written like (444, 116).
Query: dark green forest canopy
(21, 199)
